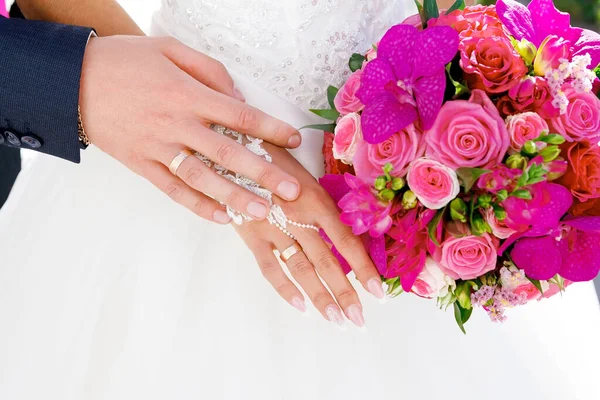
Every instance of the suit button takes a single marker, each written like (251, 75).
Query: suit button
(31, 141)
(12, 139)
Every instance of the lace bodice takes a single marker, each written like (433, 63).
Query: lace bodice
(294, 48)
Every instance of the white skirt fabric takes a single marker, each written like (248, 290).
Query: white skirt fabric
(108, 290)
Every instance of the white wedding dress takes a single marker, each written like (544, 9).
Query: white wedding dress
(108, 290)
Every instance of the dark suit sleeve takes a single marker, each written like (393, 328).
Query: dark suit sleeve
(40, 70)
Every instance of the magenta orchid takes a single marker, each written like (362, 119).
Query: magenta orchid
(406, 81)
(540, 20)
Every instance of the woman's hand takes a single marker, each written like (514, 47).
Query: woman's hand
(315, 207)
(145, 100)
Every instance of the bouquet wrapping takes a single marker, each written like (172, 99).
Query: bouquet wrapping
(465, 150)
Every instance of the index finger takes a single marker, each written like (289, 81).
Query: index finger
(241, 117)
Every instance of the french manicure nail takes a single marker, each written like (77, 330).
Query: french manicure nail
(257, 210)
(299, 304)
(294, 141)
(355, 315)
(288, 190)
(375, 287)
(334, 315)
(238, 95)
(221, 217)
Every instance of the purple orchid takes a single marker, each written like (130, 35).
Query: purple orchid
(406, 82)
(540, 20)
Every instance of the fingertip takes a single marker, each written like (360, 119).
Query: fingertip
(238, 95)
(221, 217)
(294, 141)
(289, 190)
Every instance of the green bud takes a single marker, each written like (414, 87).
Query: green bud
(550, 153)
(387, 194)
(516, 161)
(485, 200)
(458, 210)
(409, 200)
(502, 195)
(398, 183)
(380, 183)
(554, 139)
(387, 168)
(500, 214)
(527, 50)
(463, 295)
(522, 194)
(530, 148)
(479, 226)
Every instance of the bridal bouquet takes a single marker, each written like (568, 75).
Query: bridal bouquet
(465, 149)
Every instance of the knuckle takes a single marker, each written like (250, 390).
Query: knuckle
(282, 131)
(326, 262)
(346, 295)
(347, 240)
(265, 175)
(302, 267)
(226, 153)
(233, 199)
(283, 288)
(247, 118)
(268, 268)
(321, 297)
(193, 176)
(174, 191)
(199, 208)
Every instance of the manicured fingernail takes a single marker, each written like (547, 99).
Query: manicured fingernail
(288, 190)
(299, 304)
(294, 141)
(375, 287)
(334, 315)
(221, 217)
(257, 210)
(355, 315)
(238, 95)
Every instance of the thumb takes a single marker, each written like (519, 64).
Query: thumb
(201, 67)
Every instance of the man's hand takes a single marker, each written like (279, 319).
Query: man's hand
(144, 100)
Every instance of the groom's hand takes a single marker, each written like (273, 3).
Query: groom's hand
(144, 100)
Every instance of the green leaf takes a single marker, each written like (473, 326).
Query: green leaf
(331, 115)
(537, 284)
(332, 91)
(459, 88)
(356, 62)
(462, 316)
(433, 225)
(321, 127)
(469, 176)
(431, 9)
(522, 194)
(458, 5)
(597, 71)
(421, 14)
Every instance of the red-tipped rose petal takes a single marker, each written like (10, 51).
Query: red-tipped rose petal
(538, 257)
(384, 117)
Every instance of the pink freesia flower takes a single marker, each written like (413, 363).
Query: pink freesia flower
(399, 150)
(530, 94)
(346, 101)
(405, 252)
(434, 184)
(540, 20)
(468, 134)
(570, 250)
(348, 136)
(363, 211)
(550, 53)
(406, 81)
(523, 128)
(467, 257)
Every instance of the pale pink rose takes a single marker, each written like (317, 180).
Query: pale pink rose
(348, 135)
(346, 101)
(434, 184)
(499, 229)
(468, 257)
(523, 128)
(432, 282)
(530, 291)
(468, 134)
(399, 150)
(372, 53)
(582, 119)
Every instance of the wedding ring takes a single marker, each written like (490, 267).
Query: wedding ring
(178, 160)
(290, 252)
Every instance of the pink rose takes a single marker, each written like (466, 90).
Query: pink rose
(491, 63)
(582, 119)
(399, 150)
(531, 94)
(499, 228)
(434, 184)
(528, 291)
(524, 127)
(549, 54)
(472, 20)
(468, 134)
(346, 101)
(432, 282)
(372, 53)
(348, 135)
(468, 257)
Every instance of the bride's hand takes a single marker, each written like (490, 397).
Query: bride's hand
(314, 207)
(145, 100)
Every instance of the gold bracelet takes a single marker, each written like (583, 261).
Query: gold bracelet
(83, 137)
